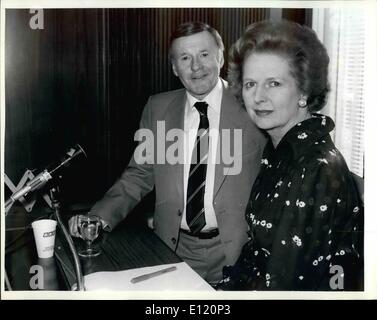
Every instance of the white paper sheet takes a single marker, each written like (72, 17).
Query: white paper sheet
(182, 279)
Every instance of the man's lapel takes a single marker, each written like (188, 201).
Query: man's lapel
(230, 118)
(175, 120)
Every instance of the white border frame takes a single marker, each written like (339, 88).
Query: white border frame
(370, 158)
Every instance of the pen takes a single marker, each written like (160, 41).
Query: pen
(152, 274)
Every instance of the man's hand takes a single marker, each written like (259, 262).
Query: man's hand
(73, 223)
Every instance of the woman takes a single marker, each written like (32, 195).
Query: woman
(304, 213)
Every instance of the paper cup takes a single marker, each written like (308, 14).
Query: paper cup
(44, 235)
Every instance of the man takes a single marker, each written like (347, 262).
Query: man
(200, 206)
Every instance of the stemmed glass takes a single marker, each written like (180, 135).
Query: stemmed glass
(89, 228)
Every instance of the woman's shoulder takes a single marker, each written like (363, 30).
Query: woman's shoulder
(322, 151)
(325, 162)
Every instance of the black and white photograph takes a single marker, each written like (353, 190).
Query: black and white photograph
(194, 150)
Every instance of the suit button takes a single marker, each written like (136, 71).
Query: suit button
(179, 213)
(174, 240)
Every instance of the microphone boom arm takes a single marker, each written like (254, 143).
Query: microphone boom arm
(41, 179)
(38, 182)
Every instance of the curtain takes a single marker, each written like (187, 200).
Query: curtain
(343, 32)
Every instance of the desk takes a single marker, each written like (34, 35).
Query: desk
(21, 253)
(130, 245)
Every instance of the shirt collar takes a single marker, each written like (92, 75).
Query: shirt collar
(309, 130)
(301, 136)
(213, 98)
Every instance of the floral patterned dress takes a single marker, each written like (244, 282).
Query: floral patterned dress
(305, 217)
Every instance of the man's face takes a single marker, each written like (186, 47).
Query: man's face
(197, 60)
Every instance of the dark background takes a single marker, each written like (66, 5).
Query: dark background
(86, 77)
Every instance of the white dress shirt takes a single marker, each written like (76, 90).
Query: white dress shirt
(191, 124)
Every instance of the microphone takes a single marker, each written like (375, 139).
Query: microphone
(47, 174)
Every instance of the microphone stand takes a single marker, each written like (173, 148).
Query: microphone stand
(38, 182)
(7, 282)
(41, 179)
(56, 207)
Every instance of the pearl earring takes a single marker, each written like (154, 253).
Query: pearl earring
(302, 102)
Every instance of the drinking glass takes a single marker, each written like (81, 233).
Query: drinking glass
(89, 228)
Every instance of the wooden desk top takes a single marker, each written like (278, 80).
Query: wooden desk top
(130, 245)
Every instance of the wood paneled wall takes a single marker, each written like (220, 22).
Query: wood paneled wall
(54, 92)
(85, 78)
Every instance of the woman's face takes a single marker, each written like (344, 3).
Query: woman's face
(270, 94)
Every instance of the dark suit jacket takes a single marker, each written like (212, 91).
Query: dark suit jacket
(231, 192)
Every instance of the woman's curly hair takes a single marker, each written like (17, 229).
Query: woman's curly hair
(306, 55)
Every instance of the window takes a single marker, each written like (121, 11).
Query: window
(343, 32)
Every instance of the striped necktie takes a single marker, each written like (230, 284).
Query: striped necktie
(195, 216)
